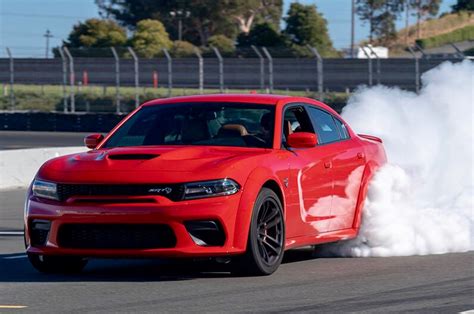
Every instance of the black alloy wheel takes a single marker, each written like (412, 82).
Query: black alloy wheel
(266, 241)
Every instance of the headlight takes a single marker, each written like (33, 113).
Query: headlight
(210, 188)
(45, 189)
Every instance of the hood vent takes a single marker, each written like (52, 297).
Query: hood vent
(132, 156)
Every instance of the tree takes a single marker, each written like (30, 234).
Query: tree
(94, 33)
(262, 35)
(206, 17)
(182, 49)
(463, 5)
(150, 38)
(225, 45)
(423, 9)
(305, 26)
(381, 16)
(247, 12)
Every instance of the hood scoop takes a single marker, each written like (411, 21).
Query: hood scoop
(132, 156)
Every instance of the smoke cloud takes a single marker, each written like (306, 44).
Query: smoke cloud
(421, 202)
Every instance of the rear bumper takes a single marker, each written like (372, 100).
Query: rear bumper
(223, 210)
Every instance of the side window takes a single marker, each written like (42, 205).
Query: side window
(342, 129)
(324, 125)
(296, 119)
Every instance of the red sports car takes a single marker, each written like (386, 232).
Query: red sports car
(240, 177)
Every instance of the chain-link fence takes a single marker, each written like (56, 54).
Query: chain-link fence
(118, 80)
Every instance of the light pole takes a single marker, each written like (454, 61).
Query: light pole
(180, 14)
(352, 27)
(48, 35)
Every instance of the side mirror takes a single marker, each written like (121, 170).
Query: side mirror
(302, 140)
(91, 141)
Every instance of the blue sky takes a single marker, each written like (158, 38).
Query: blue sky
(24, 22)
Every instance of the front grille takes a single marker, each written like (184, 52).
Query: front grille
(173, 192)
(116, 236)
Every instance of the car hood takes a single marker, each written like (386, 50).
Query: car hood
(165, 164)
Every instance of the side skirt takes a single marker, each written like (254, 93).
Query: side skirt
(326, 237)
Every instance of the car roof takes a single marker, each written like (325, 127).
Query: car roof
(264, 99)
(243, 98)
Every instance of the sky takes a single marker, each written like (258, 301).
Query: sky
(23, 23)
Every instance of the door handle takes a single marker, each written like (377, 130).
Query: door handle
(360, 155)
(327, 164)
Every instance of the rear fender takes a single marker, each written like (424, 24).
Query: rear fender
(369, 172)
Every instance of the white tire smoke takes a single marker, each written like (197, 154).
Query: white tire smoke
(421, 202)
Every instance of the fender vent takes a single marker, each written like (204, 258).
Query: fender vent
(132, 156)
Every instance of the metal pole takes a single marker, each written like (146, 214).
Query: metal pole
(319, 68)
(201, 70)
(12, 80)
(352, 27)
(370, 64)
(459, 51)
(135, 69)
(117, 79)
(417, 69)
(64, 61)
(270, 68)
(48, 35)
(262, 67)
(378, 62)
(421, 50)
(71, 79)
(170, 71)
(221, 68)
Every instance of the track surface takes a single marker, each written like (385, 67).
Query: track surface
(304, 283)
(18, 140)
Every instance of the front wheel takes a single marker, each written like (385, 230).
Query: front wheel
(266, 240)
(57, 264)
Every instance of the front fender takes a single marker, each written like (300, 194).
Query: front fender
(252, 187)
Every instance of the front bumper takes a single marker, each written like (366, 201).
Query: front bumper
(222, 210)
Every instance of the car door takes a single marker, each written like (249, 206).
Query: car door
(347, 165)
(311, 186)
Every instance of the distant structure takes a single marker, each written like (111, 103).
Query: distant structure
(381, 52)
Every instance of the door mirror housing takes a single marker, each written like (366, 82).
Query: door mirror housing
(302, 140)
(91, 141)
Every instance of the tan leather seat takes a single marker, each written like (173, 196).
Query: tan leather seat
(232, 130)
(287, 128)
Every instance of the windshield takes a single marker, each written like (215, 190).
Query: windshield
(216, 124)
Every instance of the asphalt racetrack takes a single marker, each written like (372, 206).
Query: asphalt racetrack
(21, 140)
(303, 283)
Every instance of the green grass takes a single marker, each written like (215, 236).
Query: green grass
(462, 34)
(103, 99)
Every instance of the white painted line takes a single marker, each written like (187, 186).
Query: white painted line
(13, 306)
(467, 312)
(11, 233)
(15, 257)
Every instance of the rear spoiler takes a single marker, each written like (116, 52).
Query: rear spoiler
(371, 137)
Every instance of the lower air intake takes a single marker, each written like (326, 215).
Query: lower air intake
(116, 236)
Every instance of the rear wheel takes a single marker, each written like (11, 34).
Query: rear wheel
(266, 239)
(57, 264)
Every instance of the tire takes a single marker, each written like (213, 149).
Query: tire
(266, 240)
(57, 264)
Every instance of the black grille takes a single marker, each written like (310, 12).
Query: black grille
(116, 236)
(172, 191)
